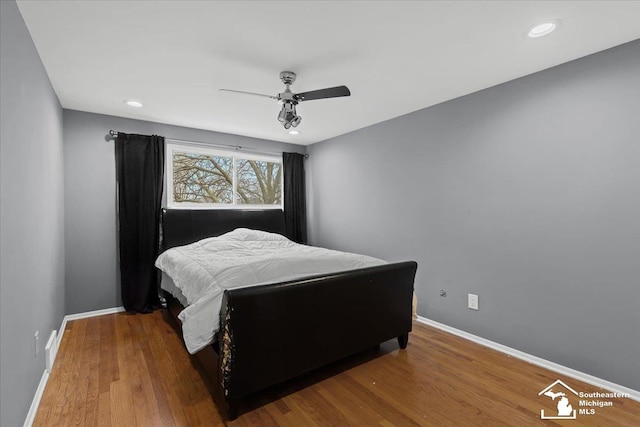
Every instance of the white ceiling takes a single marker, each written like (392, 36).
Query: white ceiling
(396, 57)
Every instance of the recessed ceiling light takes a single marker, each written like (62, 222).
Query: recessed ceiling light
(136, 104)
(543, 29)
(294, 132)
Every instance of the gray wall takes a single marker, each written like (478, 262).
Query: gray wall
(527, 194)
(31, 215)
(92, 270)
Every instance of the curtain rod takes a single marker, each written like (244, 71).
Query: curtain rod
(114, 134)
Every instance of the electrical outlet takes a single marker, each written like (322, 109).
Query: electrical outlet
(473, 302)
(35, 342)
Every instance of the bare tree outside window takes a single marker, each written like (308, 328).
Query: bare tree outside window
(201, 178)
(259, 182)
(208, 179)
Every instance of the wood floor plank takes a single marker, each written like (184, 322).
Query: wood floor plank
(71, 375)
(349, 404)
(93, 375)
(167, 371)
(103, 417)
(155, 378)
(56, 386)
(130, 370)
(123, 409)
(143, 392)
(81, 402)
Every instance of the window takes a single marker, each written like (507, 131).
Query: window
(209, 178)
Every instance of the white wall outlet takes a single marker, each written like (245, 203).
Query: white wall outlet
(473, 302)
(36, 347)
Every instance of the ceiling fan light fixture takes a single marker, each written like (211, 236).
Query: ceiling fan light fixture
(288, 116)
(294, 132)
(282, 116)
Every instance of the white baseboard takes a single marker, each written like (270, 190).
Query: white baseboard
(35, 403)
(33, 409)
(85, 315)
(564, 370)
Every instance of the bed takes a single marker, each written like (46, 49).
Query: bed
(274, 332)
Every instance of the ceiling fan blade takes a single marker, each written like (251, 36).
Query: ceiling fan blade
(249, 93)
(331, 92)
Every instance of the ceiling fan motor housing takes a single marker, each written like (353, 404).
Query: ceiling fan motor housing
(288, 77)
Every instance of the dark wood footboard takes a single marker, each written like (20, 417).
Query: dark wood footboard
(271, 333)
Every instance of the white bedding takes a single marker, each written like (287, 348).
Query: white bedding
(242, 257)
(167, 284)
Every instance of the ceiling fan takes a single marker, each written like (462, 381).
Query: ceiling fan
(288, 116)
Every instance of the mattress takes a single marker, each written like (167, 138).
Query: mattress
(166, 284)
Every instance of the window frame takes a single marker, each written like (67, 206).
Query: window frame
(171, 147)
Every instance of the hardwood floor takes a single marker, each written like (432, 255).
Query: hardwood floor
(126, 370)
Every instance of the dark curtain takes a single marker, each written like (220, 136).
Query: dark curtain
(140, 170)
(295, 205)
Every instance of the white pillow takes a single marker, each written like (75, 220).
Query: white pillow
(247, 234)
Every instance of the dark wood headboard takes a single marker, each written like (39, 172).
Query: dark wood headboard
(184, 226)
